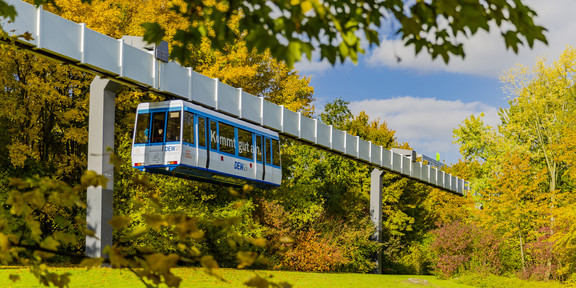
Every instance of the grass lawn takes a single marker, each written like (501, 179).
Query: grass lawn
(196, 277)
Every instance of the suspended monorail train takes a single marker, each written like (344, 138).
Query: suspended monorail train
(185, 140)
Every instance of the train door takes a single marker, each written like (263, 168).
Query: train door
(173, 138)
(155, 150)
(260, 159)
(189, 150)
(202, 147)
(276, 165)
(268, 160)
(213, 159)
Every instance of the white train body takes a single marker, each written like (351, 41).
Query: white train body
(189, 141)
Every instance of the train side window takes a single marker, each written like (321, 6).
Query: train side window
(275, 152)
(245, 144)
(158, 121)
(268, 152)
(142, 128)
(227, 139)
(173, 126)
(188, 131)
(202, 131)
(259, 148)
(213, 135)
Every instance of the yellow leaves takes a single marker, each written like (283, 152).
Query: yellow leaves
(79, 135)
(34, 227)
(91, 178)
(286, 240)
(90, 233)
(5, 249)
(246, 258)
(116, 258)
(162, 263)
(172, 281)
(4, 243)
(260, 242)
(187, 228)
(19, 152)
(156, 267)
(136, 232)
(46, 277)
(247, 188)
(119, 221)
(65, 238)
(208, 262)
(92, 262)
(184, 227)
(258, 74)
(35, 199)
(19, 206)
(50, 244)
(306, 5)
(210, 265)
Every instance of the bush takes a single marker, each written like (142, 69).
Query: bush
(313, 252)
(459, 247)
(417, 258)
(541, 264)
(322, 245)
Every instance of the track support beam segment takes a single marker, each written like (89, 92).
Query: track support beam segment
(100, 146)
(376, 213)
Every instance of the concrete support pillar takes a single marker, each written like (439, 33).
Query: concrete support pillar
(100, 146)
(376, 212)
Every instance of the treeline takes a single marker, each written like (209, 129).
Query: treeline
(318, 220)
(523, 173)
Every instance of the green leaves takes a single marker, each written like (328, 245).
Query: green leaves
(297, 27)
(7, 11)
(154, 32)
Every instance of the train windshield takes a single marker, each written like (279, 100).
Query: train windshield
(158, 126)
(142, 128)
(173, 126)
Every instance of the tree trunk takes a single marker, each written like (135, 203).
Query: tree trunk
(522, 253)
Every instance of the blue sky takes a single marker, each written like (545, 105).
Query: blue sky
(424, 100)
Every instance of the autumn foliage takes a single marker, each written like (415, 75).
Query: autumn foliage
(464, 247)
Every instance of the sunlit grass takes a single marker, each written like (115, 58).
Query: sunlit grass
(196, 277)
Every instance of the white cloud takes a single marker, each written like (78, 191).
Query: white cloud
(485, 52)
(427, 124)
(310, 67)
